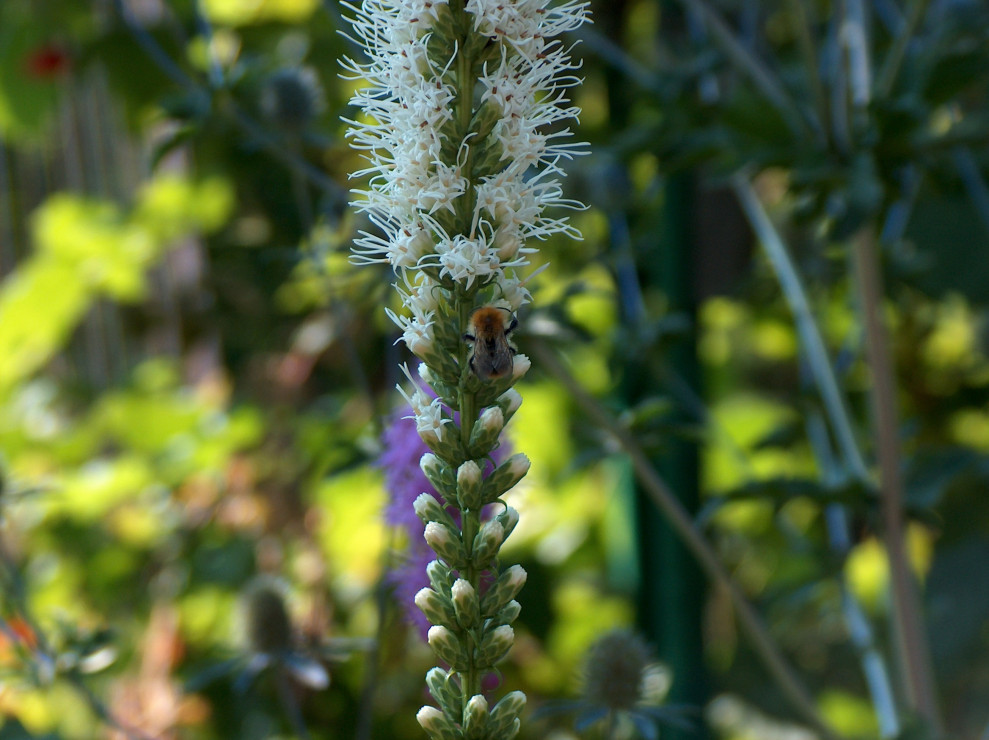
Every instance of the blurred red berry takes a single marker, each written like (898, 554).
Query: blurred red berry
(47, 62)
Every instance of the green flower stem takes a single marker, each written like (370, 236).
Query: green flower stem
(470, 520)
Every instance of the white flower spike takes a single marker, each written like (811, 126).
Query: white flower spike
(464, 130)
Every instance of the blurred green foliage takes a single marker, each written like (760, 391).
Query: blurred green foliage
(193, 378)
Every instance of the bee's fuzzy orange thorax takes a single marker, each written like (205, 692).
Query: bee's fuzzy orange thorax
(489, 320)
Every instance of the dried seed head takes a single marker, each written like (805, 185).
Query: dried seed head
(615, 668)
(269, 629)
(293, 97)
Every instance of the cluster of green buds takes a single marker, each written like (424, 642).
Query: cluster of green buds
(461, 168)
(471, 629)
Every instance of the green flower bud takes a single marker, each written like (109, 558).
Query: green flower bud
(448, 447)
(445, 541)
(429, 510)
(487, 542)
(465, 603)
(520, 366)
(508, 519)
(509, 403)
(505, 476)
(503, 590)
(439, 474)
(484, 119)
(488, 392)
(488, 159)
(440, 363)
(436, 725)
(476, 717)
(437, 608)
(440, 576)
(447, 647)
(495, 645)
(509, 613)
(444, 690)
(444, 389)
(484, 435)
(505, 716)
(447, 331)
(469, 486)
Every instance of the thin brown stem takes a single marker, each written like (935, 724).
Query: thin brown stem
(661, 495)
(911, 642)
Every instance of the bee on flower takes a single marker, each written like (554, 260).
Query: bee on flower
(492, 355)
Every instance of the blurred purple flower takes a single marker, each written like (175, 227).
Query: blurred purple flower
(404, 480)
(402, 449)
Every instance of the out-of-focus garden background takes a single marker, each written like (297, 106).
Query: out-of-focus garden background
(194, 380)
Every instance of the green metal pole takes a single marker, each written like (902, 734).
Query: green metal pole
(672, 594)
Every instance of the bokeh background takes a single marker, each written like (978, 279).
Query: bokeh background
(194, 380)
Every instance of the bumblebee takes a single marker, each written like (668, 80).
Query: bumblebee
(488, 330)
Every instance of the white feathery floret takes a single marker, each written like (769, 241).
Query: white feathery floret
(407, 107)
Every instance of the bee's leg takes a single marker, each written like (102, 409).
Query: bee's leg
(511, 326)
(470, 338)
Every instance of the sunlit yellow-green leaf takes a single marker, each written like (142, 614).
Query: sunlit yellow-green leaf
(351, 531)
(242, 12)
(56, 586)
(206, 616)
(147, 423)
(85, 249)
(171, 206)
(137, 525)
(535, 426)
(98, 486)
(774, 340)
(594, 308)
(559, 516)
(971, 427)
(720, 319)
(40, 303)
(850, 715)
(952, 342)
(743, 420)
(53, 709)
(867, 567)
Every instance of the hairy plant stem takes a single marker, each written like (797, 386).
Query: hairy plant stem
(906, 609)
